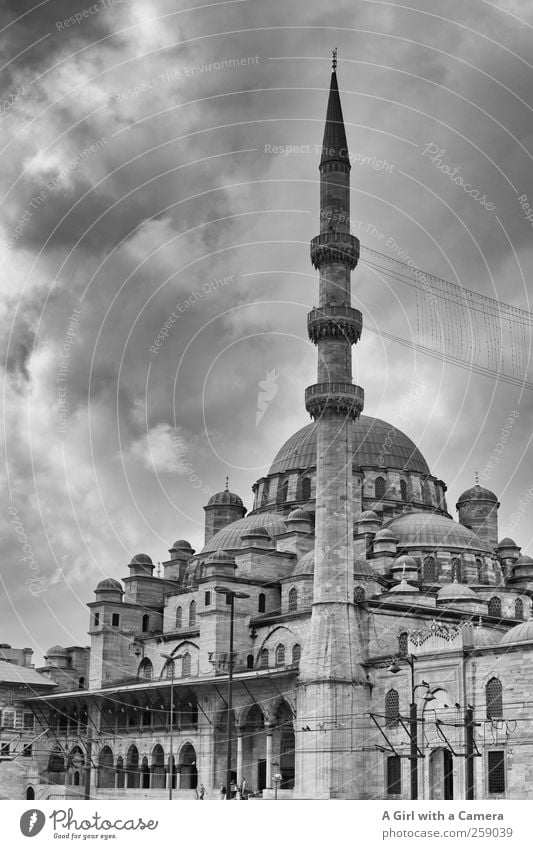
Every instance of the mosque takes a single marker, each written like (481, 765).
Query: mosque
(375, 647)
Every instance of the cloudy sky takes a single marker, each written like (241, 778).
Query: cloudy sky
(137, 170)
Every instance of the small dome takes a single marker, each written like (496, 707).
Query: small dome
(256, 532)
(109, 584)
(225, 497)
(141, 560)
(524, 560)
(57, 651)
(423, 529)
(181, 545)
(519, 634)
(405, 561)
(403, 587)
(362, 568)
(484, 637)
(368, 516)
(477, 493)
(451, 592)
(230, 537)
(299, 515)
(507, 542)
(384, 534)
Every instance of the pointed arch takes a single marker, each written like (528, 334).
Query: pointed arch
(392, 707)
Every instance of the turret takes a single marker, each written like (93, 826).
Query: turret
(222, 509)
(478, 510)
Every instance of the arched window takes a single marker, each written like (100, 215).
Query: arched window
(306, 489)
(261, 603)
(403, 642)
(479, 569)
(170, 669)
(392, 707)
(519, 609)
(146, 669)
(494, 698)
(263, 658)
(296, 653)
(192, 614)
(186, 665)
(430, 569)
(145, 622)
(179, 617)
(284, 492)
(250, 661)
(120, 772)
(359, 595)
(426, 493)
(280, 655)
(495, 607)
(293, 599)
(403, 490)
(379, 488)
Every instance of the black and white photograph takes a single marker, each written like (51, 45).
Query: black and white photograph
(266, 419)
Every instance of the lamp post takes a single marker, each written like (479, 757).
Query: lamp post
(413, 718)
(171, 659)
(277, 782)
(231, 595)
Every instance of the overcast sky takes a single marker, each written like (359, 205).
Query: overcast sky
(137, 170)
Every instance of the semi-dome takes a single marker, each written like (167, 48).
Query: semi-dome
(225, 497)
(299, 515)
(222, 558)
(519, 634)
(422, 530)
(109, 584)
(405, 561)
(141, 560)
(306, 566)
(477, 493)
(230, 537)
(455, 591)
(369, 437)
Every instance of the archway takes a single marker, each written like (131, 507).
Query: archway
(187, 768)
(132, 767)
(441, 774)
(145, 774)
(285, 745)
(30, 793)
(158, 768)
(106, 772)
(254, 749)
(76, 764)
(56, 767)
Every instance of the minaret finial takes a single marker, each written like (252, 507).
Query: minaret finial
(334, 59)
(227, 483)
(477, 478)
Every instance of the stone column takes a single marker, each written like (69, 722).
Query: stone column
(239, 757)
(269, 732)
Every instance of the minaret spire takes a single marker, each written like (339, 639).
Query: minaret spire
(332, 679)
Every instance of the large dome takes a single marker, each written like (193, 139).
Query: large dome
(230, 537)
(369, 435)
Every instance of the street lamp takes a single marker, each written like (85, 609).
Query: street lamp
(171, 659)
(231, 595)
(277, 782)
(413, 719)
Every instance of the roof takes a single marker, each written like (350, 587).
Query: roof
(334, 144)
(477, 493)
(369, 435)
(421, 530)
(519, 634)
(12, 673)
(230, 537)
(452, 592)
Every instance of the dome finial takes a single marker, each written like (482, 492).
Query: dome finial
(334, 59)
(476, 475)
(227, 484)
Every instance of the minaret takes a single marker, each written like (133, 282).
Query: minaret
(332, 692)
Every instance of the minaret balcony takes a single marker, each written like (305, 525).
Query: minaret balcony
(345, 398)
(335, 246)
(332, 320)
